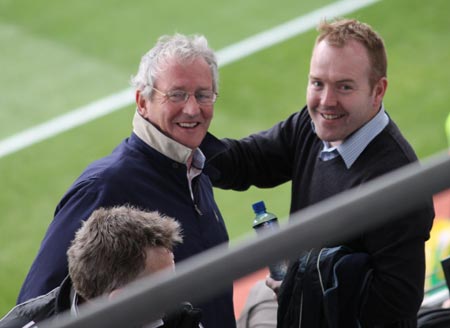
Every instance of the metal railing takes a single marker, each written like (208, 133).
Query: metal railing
(203, 276)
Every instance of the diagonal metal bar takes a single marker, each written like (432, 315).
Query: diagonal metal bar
(207, 274)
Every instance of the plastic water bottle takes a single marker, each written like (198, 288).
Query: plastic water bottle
(267, 221)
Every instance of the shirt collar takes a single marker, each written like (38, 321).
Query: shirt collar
(148, 133)
(353, 146)
(73, 302)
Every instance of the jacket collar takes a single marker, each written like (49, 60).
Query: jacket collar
(63, 300)
(149, 134)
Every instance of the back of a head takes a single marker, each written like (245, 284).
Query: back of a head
(168, 47)
(340, 31)
(109, 250)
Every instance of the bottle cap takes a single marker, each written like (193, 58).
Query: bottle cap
(259, 207)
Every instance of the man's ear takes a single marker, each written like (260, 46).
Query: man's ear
(380, 90)
(114, 293)
(141, 102)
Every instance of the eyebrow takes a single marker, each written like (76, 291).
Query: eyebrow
(183, 87)
(346, 81)
(312, 77)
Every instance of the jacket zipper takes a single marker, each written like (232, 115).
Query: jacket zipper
(197, 209)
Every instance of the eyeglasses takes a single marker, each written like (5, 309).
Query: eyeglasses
(204, 97)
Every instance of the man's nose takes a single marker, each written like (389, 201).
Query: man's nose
(328, 97)
(191, 107)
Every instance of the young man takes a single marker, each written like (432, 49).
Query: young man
(342, 139)
(113, 247)
(159, 167)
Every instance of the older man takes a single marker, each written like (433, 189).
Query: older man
(159, 167)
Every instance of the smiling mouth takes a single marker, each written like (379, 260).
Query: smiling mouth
(330, 117)
(188, 125)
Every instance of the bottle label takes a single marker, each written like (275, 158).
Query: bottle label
(272, 225)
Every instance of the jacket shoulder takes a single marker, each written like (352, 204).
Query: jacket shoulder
(33, 310)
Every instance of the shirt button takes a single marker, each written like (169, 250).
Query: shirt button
(175, 165)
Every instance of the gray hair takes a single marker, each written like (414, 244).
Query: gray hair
(179, 46)
(110, 248)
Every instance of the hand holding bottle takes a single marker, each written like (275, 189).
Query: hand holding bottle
(264, 221)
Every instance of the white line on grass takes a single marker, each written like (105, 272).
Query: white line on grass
(225, 56)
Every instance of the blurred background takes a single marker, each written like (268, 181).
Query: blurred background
(59, 55)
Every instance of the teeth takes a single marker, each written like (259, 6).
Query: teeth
(187, 125)
(330, 116)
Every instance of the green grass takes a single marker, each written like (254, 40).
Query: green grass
(418, 50)
(64, 54)
(46, 78)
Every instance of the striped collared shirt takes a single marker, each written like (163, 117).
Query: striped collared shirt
(352, 147)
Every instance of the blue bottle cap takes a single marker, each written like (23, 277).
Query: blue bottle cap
(259, 207)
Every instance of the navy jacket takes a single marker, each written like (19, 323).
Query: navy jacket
(135, 173)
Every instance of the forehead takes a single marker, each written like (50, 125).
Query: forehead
(158, 257)
(334, 63)
(178, 72)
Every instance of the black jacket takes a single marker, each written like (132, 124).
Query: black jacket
(39, 308)
(58, 301)
(318, 292)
